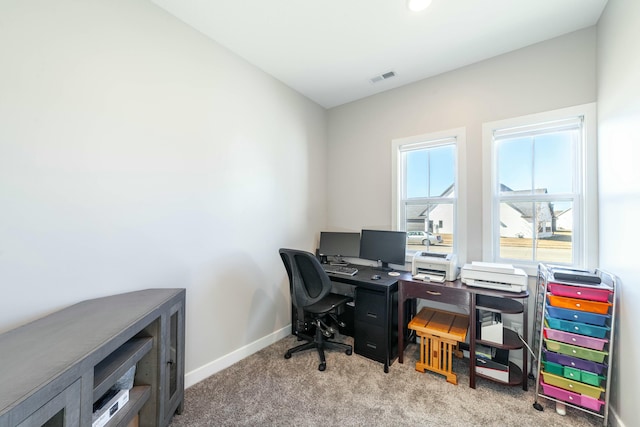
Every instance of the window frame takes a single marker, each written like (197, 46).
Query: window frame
(585, 240)
(433, 139)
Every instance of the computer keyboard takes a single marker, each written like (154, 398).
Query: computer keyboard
(340, 269)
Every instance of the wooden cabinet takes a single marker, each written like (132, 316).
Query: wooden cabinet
(575, 321)
(57, 367)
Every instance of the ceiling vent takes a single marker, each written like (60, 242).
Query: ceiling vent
(383, 76)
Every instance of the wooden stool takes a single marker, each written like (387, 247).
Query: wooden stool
(439, 333)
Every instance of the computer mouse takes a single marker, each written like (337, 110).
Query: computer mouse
(375, 277)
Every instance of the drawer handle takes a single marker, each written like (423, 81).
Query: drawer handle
(575, 316)
(571, 374)
(570, 385)
(573, 363)
(434, 293)
(373, 346)
(375, 316)
(574, 351)
(577, 328)
(573, 339)
(570, 397)
(579, 293)
(577, 304)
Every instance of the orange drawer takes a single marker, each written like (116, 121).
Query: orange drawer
(579, 304)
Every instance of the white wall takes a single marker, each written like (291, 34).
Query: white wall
(136, 153)
(546, 76)
(619, 188)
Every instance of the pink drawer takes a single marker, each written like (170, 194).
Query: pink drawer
(575, 398)
(601, 295)
(569, 338)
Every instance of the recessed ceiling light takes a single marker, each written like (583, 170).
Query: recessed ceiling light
(418, 5)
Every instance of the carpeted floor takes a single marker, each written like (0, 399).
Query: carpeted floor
(267, 390)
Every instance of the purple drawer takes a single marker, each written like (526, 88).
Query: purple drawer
(581, 340)
(575, 398)
(574, 362)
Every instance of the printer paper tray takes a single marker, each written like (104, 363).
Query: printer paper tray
(493, 285)
(429, 277)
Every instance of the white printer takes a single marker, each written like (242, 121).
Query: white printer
(503, 277)
(434, 267)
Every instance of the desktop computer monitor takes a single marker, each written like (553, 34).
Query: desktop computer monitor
(388, 247)
(338, 244)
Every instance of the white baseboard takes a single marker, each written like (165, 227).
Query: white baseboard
(195, 376)
(614, 419)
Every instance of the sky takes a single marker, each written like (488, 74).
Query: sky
(543, 161)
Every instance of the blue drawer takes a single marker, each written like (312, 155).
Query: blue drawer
(578, 316)
(577, 327)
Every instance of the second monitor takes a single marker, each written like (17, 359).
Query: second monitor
(387, 247)
(338, 244)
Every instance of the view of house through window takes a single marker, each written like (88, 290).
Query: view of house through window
(537, 194)
(427, 199)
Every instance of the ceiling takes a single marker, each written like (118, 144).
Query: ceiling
(329, 50)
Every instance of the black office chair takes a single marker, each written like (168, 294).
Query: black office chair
(315, 304)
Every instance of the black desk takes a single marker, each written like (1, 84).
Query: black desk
(375, 313)
(467, 298)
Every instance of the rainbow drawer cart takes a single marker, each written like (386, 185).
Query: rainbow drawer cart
(574, 329)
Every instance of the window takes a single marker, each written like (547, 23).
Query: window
(540, 189)
(426, 192)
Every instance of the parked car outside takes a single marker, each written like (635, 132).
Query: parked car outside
(423, 238)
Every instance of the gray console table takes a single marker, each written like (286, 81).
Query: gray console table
(56, 367)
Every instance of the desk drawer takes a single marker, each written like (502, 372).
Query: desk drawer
(437, 292)
(371, 307)
(370, 341)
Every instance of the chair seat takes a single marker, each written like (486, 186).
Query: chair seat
(328, 303)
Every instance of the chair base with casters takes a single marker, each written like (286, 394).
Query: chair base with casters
(323, 331)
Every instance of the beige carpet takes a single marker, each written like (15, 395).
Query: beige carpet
(267, 390)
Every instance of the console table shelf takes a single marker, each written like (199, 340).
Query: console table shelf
(55, 368)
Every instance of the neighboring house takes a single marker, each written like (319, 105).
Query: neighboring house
(564, 220)
(517, 218)
(436, 218)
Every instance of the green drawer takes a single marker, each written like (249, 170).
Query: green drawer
(574, 386)
(554, 368)
(580, 375)
(573, 373)
(576, 351)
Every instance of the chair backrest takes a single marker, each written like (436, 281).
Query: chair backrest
(308, 282)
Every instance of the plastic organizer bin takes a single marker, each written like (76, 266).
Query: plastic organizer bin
(569, 338)
(570, 397)
(579, 304)
(573, 373)
(593, 294)
(553, 368)
(579, 316)
(571, 385)
(577, 327)
(574, 350)
(574, 362)
(584, 376)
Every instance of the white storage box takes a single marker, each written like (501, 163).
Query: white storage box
(492, 333)
(103, 414)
